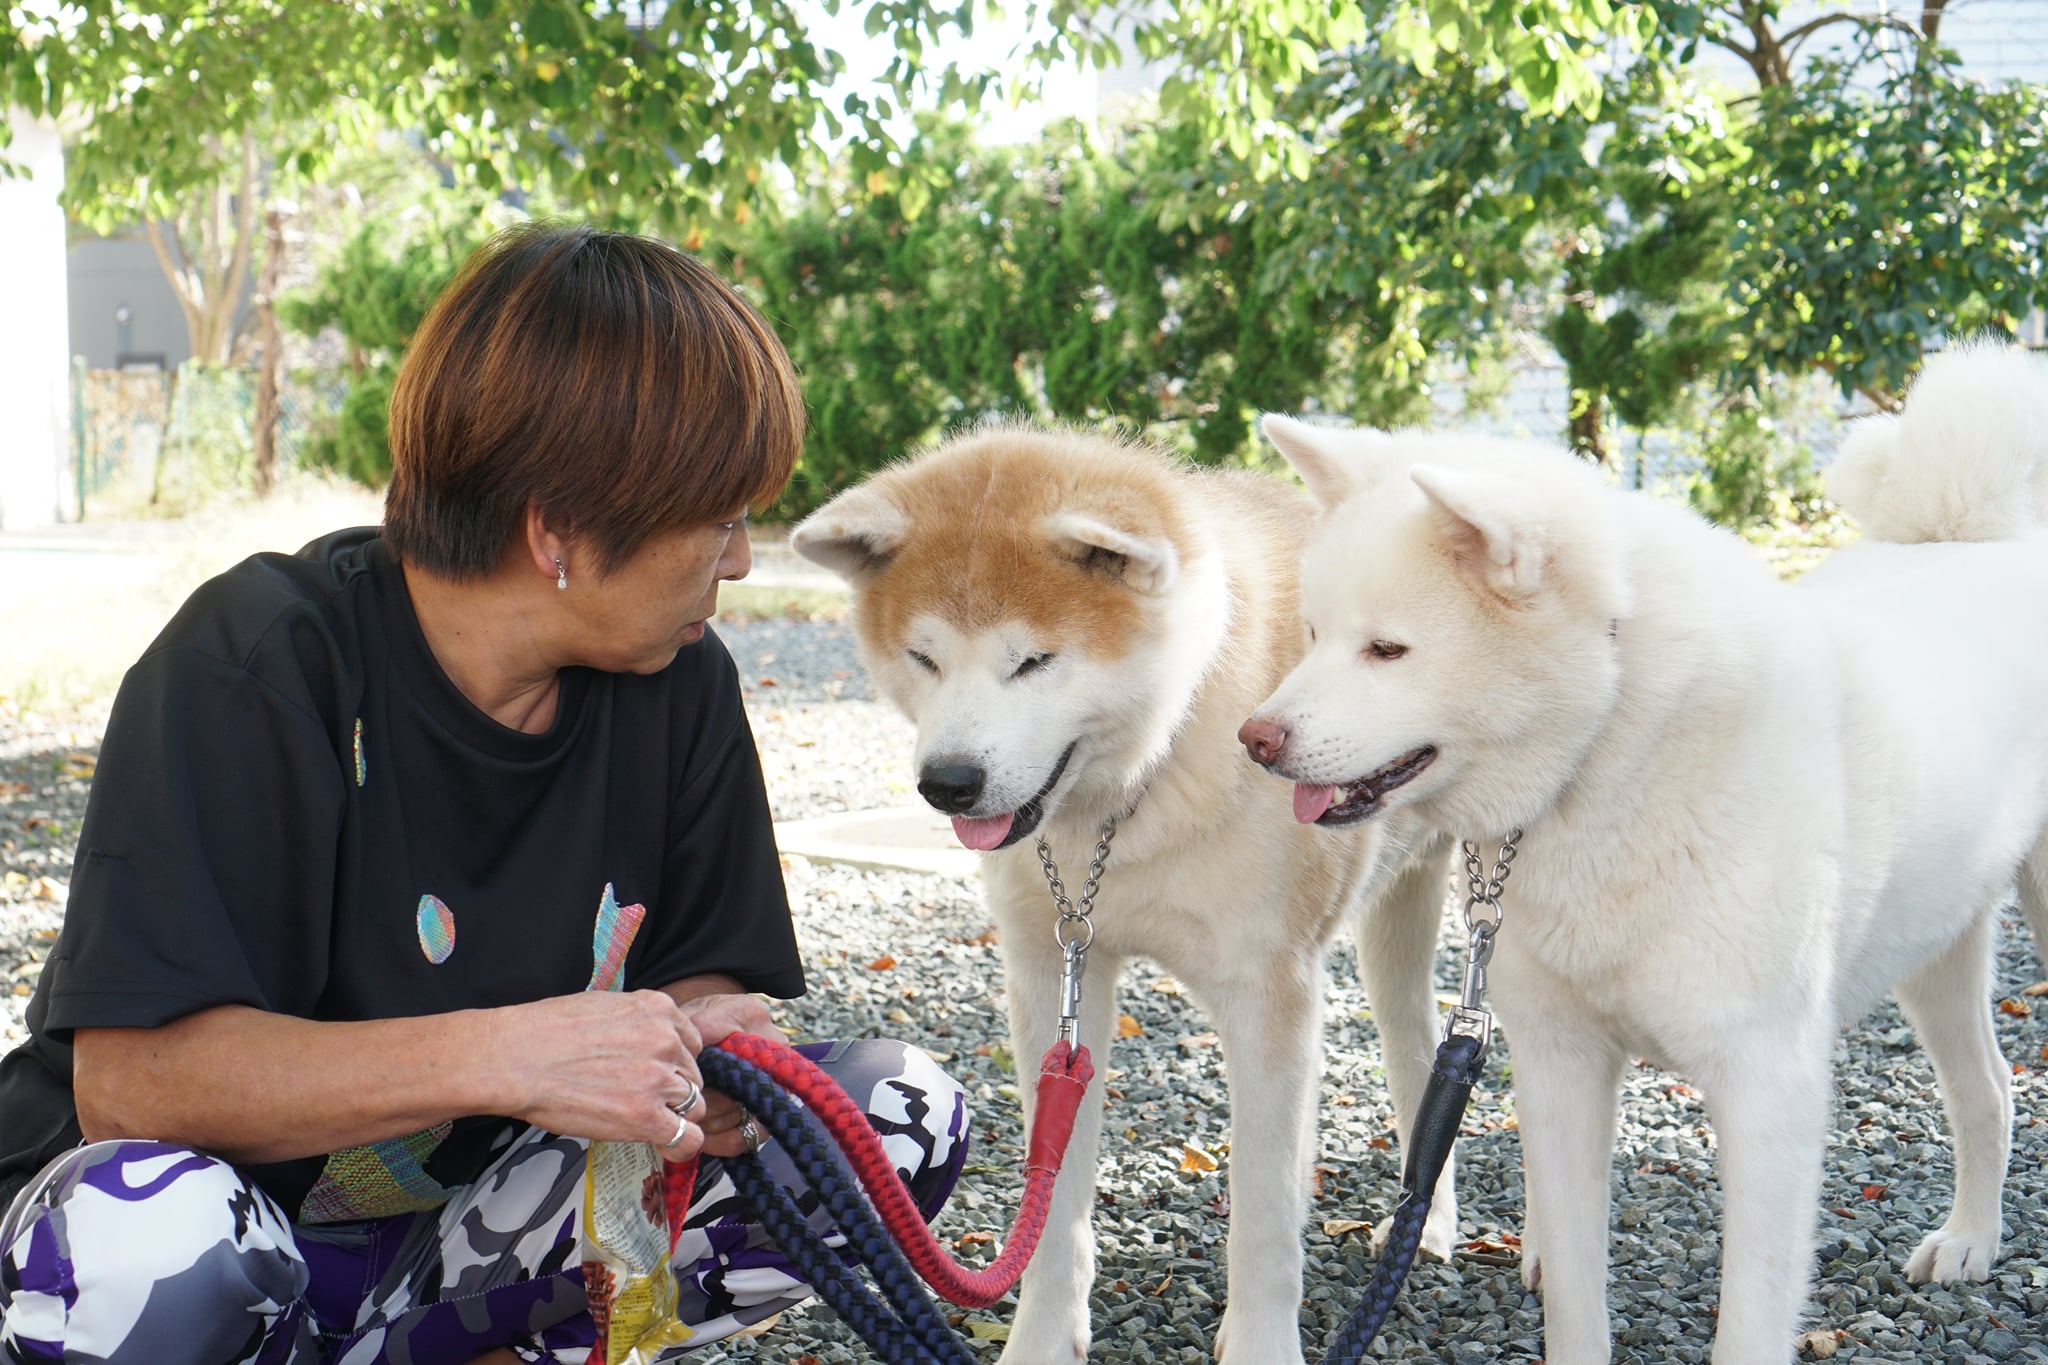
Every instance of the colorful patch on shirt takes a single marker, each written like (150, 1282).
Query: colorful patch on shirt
(379, 1180)
(437, 929)
(361, 771)
(616, 925)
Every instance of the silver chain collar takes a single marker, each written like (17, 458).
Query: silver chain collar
(1482, 922)
(1073, 930)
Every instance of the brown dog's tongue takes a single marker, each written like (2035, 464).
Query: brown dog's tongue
(982, 834)
(1310, 802)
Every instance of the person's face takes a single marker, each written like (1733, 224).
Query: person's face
(639, 615)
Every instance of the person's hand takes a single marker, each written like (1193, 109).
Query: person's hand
(607, 1065)
(716, 1017)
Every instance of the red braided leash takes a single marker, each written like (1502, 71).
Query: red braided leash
(1062, 1078)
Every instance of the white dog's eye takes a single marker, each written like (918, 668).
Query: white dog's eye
(923, 661)
(1032, 663)
(1311, 634)
(1385, 649)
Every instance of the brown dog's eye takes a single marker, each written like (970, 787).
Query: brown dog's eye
(923, 661)
(1385, 649)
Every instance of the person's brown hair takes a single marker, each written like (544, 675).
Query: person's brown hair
(612, 381)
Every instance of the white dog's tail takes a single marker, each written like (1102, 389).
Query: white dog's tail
(1966, 460)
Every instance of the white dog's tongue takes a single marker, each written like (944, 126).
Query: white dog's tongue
(984, 834)
(1309, 802)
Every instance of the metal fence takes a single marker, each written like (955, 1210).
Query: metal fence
(162, 441)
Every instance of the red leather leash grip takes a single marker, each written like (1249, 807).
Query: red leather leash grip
(1063, 1077)
(678, 1186)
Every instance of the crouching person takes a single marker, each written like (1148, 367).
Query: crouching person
(419, 860)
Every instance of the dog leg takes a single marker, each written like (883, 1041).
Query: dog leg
(1051, 1325)
(1270, 1026)
(1946, 1001)
(1770, 1109)
(1567, 1083)
(2034, 899)
(1397, 940)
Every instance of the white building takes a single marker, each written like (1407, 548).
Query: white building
(35, 346)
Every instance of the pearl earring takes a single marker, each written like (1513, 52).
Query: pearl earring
(561, 577)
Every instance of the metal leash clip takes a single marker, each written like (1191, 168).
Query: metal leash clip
(1470, 1017)
(1074, 930)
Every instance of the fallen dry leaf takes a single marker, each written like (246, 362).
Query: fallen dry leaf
(1127, 1027)
(1166, 985)
(1194, 1161)
(1380, 1144)
(2038, 988)
(2017, 1009)
(766, 681)
(882, 963)
(1819, 1345)
(973, 1239)
(1337, 1227)
(989, 1331)
(1506, 1245)
(1195, 1040)
(1875, 1191)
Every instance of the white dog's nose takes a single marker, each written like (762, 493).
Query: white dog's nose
(1263, 739)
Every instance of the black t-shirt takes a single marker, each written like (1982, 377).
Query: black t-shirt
(295, 809)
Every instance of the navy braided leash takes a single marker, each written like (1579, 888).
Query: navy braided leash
(1436, 1128)
(908, 1329)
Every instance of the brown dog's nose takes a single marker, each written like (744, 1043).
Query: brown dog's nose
(1263, 739)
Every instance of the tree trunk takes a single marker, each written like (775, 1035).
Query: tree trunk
(271, 339)
(205, 254)
(1589, 427)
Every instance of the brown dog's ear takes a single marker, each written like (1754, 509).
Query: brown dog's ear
(855, 535)
(1146, 564)
(1477, 519)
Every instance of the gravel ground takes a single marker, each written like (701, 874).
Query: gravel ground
(828, 745)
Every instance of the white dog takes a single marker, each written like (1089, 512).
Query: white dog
(1077, 625)
(1749, 809)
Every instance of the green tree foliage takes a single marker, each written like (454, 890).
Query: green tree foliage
(1876, 218)
(663, 113)
(1034, 281)
(375, 294)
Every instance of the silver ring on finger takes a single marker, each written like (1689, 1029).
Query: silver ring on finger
(750, 1133)
(689, 1101)
(682, 1127)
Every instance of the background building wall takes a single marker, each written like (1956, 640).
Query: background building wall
(34, 345)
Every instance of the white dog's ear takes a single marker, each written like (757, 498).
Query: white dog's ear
(1148, 564)
(1314, 456)
(854, 535)
(1477, 520)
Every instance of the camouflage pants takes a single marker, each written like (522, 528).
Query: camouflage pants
(144, 1253)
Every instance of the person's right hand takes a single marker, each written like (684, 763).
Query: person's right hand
(603, 1065)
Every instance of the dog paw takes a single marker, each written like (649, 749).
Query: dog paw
(1953, 1254)
(1243, 1339)
(1439, 1232)
(1035, 1340)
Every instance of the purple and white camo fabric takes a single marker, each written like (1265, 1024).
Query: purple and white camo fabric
(145, 1253)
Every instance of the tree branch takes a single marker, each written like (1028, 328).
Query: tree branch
(1796, 38)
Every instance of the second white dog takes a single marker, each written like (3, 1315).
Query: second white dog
(1749, 810)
